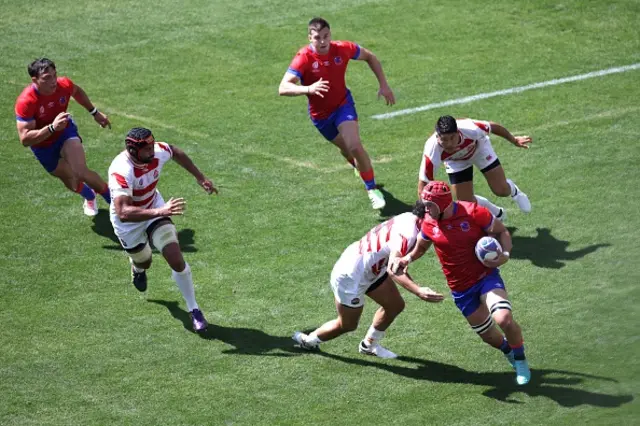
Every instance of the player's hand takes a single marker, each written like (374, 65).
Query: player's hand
(61, 120)
(523, 141)
(497, 262)
(208, 186)
(387, 93)
(319, 87)
(174, 207)
(102, 119)
(428, 295)
(398, 265)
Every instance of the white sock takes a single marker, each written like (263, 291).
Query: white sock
(495, 210)
(313, 339)
(135, 268)
(514, 188)
(185, 284)
(373, 335)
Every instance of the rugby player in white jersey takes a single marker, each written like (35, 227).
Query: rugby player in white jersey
(462, 143)
(139, 214)
(362, 270)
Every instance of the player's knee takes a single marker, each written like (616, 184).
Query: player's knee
(142, 257)
(348, 325)
(164, 235)
(396, 308)
(483, 327)
(501, 312)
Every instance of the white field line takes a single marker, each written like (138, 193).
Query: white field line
(519, 89)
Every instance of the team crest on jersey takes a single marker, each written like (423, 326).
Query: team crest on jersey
(155, 174)
(315, 65)
(62, 100)
(140, 182)
(465, 226)
(337, 60)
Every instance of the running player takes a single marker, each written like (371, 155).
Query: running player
(320, 69)
(453, 228)
(45, 126)
(139, 213)
(360, 271)
(462, 143)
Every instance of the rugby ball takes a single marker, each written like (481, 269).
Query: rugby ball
(488, 248)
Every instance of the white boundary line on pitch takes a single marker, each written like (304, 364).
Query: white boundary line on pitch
(519, 89)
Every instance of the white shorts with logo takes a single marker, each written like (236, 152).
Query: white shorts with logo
(482, 158)
(133, 234)
(348, 278)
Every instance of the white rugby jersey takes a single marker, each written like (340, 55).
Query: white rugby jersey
(470, 131)
(396, 234)
(136, 181)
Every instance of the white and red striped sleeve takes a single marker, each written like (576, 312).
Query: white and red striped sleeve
(431, 159)
(120, 181)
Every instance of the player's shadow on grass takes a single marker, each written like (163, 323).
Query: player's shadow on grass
(245, 341)
(102, 226)
(550, 383)
(393, 206)
(546, 251)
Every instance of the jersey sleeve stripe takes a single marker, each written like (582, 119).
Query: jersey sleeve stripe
(294, 72)
(489, 225)
(24, 118)
(357, 54)
(425, 236)
(121, 180)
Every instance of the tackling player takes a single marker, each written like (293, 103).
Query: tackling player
(47, 128)
(139, 213)
(320, 69)
(360, 271)
(462, 143)
(453, 228)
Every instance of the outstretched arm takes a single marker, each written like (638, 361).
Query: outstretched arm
(398, 265)
(185, 162)
(519, 141)
(407, 282)
(376, 67)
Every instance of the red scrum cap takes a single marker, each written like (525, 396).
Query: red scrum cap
(438, 193)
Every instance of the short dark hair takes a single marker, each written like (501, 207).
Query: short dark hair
(446, 124)
(419, 209)
(318, 24)
(39, 66)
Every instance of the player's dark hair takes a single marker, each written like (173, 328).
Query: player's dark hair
(419, 209)
(446, 124)
(137, 134)
(39, 66)
(318, 24)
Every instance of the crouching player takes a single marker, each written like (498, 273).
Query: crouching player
(139, 214)
(453, 228)
(360, 271)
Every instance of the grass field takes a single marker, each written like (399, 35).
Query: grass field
(79, 345)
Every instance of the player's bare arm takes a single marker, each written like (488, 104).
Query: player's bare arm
(180, 157)
(289, 87)
(406, 281)
(519, 141)
(500, 232)
(29, 135)
(127, 212)
(83, 99)
(375, 65)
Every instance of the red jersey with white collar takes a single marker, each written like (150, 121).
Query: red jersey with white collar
(454, 240)
(32, 105)
(137, 181)
(470, 132)
(309, 67)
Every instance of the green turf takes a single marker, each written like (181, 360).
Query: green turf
(81, 346)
